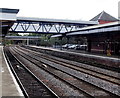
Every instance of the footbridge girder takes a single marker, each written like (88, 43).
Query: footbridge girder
(22, 37)
(51, 26)
(9, 22)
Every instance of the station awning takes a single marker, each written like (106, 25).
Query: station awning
(108, 27)
(7, 19)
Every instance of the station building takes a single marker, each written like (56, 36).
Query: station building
(103, 18)
(102, 32)
(101, 38)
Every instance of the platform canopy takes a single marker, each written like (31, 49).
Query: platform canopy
(102, 28)
(7, 19)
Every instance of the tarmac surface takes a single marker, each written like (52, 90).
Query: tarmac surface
(8, 84)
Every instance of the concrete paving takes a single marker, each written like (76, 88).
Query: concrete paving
(8, 84)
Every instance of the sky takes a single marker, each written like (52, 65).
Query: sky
(62, 9)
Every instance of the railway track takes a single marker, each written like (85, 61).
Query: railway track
(29, 83)
(60, 86)
(114, 77)
(102, 71)
(109, 76)
(58, 72)
(107, 63)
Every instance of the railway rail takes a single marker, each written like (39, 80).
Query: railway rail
(94, 60)
(79, 93)
(66, 76)
(29, 83)
(101, 73)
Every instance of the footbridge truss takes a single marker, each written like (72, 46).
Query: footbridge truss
(52, 26)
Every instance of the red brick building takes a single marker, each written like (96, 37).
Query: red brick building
(103, 18)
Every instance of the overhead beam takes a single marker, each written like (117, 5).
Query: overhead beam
(45, 27)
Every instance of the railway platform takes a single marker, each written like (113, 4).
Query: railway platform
(8, 84)
(112, 63)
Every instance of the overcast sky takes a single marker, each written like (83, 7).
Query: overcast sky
(62, 9)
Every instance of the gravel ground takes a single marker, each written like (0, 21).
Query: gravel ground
(97, 69)
(62, 89)
(105, 62)
(32, 87)
(96, 81)
(90, 89)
